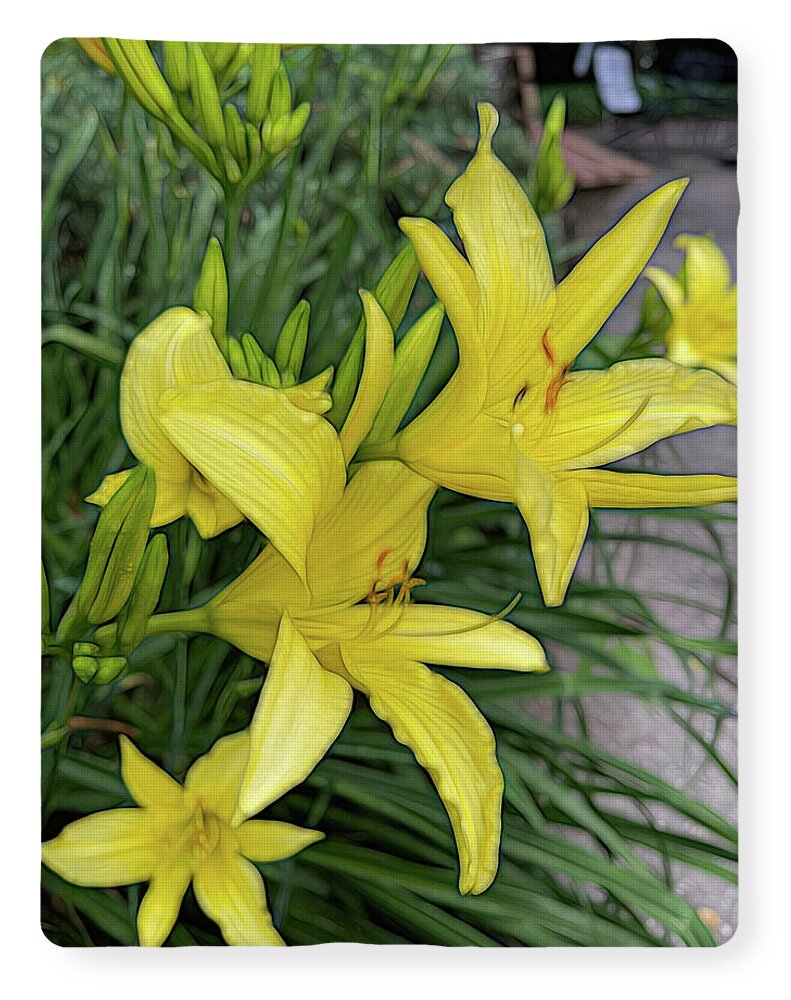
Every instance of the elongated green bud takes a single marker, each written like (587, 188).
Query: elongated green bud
(552, 184)
(278, 134)
(211, 291)
(234, 131)
(291, 344)
(117, 547)
(241, 58)
(176, 66)
(269, 373)
(253, 136)
(145, 595)
(236, 359)
(280, 98)
(232, 170)
(264, 62)
(412, 358)
(205, 96)
(219, 54)
(392, 293)
(252, 356)
(136, 65)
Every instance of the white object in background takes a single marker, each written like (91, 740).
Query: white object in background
(614, 74)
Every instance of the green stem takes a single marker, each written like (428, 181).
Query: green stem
(193, 620)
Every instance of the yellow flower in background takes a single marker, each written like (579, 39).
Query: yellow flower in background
(515, 423)
(702, 304)
(223, 448)
(181, 834)
(324, 644)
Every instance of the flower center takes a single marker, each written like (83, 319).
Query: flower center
(200, 835)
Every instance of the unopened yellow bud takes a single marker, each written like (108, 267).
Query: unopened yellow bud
(205, 96)
(264, 62)
(145, 595)
(291, 344)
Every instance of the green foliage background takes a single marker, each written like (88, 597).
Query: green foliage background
(125, 223)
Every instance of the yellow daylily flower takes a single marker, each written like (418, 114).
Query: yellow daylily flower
(323, 644)
(702, 332)
(515, 423)
(181, 834)
(223, 448)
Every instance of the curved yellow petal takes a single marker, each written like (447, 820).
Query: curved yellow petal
(669, 287)
(110, 848)
(431, 633)
(603, 416)
(641, 489)
(374, 380)
(159, 907)
(267, 840)
(230, 891)
(450, 276)
(605, 274)
(215, 777)
(281, 466)
(556, 513)
(507, 249)
(148, 784)
(301, 711)
(177, 350)
(453, 742)
(706, 269)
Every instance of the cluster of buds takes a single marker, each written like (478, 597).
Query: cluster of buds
(229, 104)
(122, 582)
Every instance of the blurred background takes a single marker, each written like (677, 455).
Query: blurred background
(642, 649)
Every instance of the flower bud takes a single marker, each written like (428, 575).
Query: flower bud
(280, 98)
(85, 668)
(205, 96)
(109, 667)
(392, 293)
(412, 358)
(211, 291)
(117, 547)
(235, 135)
(252, 356)
(253, 137)
(552, 185)
(291, 344)
(145, 595)
(176, 66)
(264, 62)
(236, 359)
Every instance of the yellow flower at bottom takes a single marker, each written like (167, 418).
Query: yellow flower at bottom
(702, 306)
(182, 834)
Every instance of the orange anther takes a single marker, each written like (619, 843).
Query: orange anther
(547, 348)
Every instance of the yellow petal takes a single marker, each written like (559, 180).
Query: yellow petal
(159, 907)
(215, 777)
(211, 511)
(230, 891)
(376, 532)
(556, 514)
(375, 379)
(507, 249)
(300, 713)
(170, 504)
(264, 840)
(450, 276)
(148, 784)
(706, 269)
(110, 848)
(452, 637)
(603, 416)
(175, 351)
(377, 528)
(606, 273)
(670, 288)
(453, 742)
(281, 466)
(639, 489)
